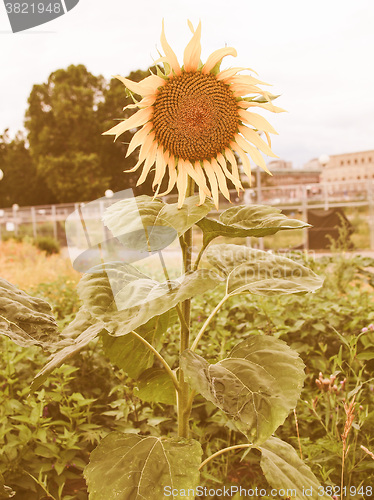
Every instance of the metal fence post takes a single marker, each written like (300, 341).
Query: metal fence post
(326, 196)
(54, 221)
(15, 207)
(33, 221)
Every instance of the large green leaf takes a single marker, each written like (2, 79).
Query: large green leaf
(258, 272)
(132, 467)
(67, 352)
(284, 470)
(257, 385)
(248, 220)
(24, 319)
(155, 386)
(124, 299)
(130, 353)
(145, 224)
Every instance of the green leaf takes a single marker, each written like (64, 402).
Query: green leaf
(67, 352)
(145, 224)
(132, 467)
(24, 319)
(80, 323)
(366, 355)
(135, 298)
(155, 386)
(259, 272)
(248, 220)
(256, 386)
(284, 469)
(129, 353)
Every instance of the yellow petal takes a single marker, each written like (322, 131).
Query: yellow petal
(265, 105)
(221, 179)
(245, 80)
(172, 176)
(202, 196)
(139, 118)
(145, 149)
(268, 138)
(235, 170)
(217, 57)
(241, 90)
(257, 121)
(138, 138)
(235, 180)
(254, 153)
(182, 181)
(203, 188)
(160, 167)
(200, 173)
(146, 87)
(194, 175)
(190, 25)
(151, 158)
(170, 55)
(245, 161)
(228, 73)
(208, 169)
(192, 52)
(144, 103)
(255, 139)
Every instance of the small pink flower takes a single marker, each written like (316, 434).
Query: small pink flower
(371, 326)
(365, 329)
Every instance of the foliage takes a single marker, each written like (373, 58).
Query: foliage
(118, 300)
(62, 126)
(333, 332)
(343, 305)
(21, 184)
(47, 244)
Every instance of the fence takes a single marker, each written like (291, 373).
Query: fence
(49, 219)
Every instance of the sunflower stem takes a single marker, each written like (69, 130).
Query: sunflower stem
(184, 403)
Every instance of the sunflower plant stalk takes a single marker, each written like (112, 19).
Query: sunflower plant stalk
(193, 122)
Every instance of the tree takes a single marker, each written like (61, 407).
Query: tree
(64, 134)
(21, 183)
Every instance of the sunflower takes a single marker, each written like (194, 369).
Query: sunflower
(194, 118)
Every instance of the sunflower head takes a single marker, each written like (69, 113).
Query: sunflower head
(192, 119)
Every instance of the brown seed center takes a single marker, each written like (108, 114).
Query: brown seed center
(195, 116)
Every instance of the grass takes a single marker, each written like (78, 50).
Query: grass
(26, 266)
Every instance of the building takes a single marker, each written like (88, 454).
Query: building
(284, 174)
(349, 167)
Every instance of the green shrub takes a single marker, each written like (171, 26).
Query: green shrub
(47, 244)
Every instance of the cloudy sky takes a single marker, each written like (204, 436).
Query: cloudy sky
(318, 55)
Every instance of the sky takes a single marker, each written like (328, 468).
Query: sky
(318, 55)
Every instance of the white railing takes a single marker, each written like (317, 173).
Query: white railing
(49, 219)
